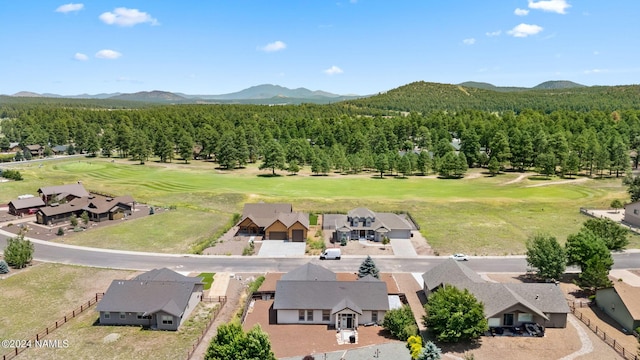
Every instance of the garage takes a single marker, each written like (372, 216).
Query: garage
(298, 235)
(277, 235)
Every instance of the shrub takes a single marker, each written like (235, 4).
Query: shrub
(19, 252)
(11, 174)
(400, 323)
(4, 267)
(60, 232)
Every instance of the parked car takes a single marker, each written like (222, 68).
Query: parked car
(459, 257)
(331, 254)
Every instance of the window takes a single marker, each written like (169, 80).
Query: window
(107, 315)
(525, 317)
(507, 320)
(123, 315)
(309, 315)
(493, 322)
(374, 316)
(167, 320)
(140, 317)
(326, 315)
(300, 315)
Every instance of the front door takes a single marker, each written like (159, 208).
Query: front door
(346, 321)
(363, 234)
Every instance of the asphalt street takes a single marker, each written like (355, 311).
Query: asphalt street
(76, 255)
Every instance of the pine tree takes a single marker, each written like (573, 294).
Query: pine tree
(4, 267)
(368, 267)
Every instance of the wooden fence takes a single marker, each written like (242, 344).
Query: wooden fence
(220, 299)
(38, 336)
(626, 354)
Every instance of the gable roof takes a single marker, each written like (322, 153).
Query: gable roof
(367, 295)
(450, 272)
(299, 289)
(629, 296)
(76, 190)
(540, 298)
(165, 274)
(361, 212)
(265, 214)
(27, 203)
(288, 219)
(309, 272)
(157, 290)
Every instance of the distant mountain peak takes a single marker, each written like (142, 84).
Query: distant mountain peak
(26, 94)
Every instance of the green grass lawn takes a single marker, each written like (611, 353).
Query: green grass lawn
(207, 279)
(477, 215)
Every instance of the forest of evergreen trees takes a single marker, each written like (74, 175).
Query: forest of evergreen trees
(349, 137)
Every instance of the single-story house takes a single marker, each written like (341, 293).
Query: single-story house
(504, 304)
(60, 149)
(19, 207)
(158, 299)
(62, 192)
(311, 294)
(274, 222)
(97, 207)
(632, 214)
(362, 223)
(14, 147)
(622, 303)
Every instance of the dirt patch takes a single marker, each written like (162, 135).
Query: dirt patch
(574, 181)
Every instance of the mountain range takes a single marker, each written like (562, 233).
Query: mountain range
(273, 94)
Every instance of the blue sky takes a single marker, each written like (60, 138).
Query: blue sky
(344, 46)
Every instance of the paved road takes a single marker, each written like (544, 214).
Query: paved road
(76, 255)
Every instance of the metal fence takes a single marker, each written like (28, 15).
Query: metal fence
(608, 339)
(38, 336)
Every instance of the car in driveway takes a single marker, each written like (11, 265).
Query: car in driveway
(459, 257)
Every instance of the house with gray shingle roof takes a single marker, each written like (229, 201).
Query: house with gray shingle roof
(66, 192)
(273, 222)
(158, 299)
(362, 223)
(311, 294)
(504, 304)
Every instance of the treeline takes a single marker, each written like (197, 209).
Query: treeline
(426, 97)
(340, 137)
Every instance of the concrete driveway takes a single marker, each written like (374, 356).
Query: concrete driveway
(280, 248)
(403, 248)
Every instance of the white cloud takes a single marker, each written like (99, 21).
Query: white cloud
(69, 8)
(524, 30)
(469, 41)
(80, 57)
(494, 33)
(333, 70)
(127, 17)
(274, 46)
(521, 12)
(108, 54)
(556, 6)
(595, 71)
